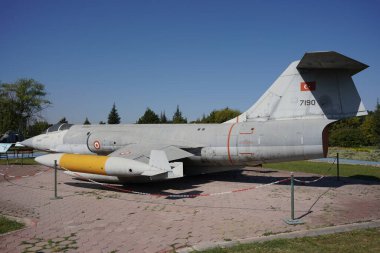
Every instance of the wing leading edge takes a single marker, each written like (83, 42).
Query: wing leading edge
(142, 153)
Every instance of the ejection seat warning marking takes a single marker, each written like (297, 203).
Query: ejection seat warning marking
(97, 144)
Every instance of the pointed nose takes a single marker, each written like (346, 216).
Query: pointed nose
(48, 160)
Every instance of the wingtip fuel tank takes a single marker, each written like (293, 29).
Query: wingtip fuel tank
(110, 166)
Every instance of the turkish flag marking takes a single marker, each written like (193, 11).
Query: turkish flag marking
(308, 86)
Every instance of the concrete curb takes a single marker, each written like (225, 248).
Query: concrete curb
(295, 234)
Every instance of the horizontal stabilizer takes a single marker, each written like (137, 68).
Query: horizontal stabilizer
(330, 60)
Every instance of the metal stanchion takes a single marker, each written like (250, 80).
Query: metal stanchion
(337, 167)
(292, 220)
(55, 182)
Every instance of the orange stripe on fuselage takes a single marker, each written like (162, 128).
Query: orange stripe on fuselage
(84, 163)
(228, 143)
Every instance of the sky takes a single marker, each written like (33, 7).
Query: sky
(201, 54)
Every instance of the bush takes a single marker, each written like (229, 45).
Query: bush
(347, 137)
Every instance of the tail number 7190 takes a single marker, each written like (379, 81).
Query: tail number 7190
(307, 102)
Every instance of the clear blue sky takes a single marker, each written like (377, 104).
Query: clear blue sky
(200, 55)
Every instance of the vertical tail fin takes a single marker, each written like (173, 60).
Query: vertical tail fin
(317, 86)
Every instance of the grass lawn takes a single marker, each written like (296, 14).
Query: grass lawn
(7, 225)
(17, 161)
(359, 153)
(358, 241)
(353, 171)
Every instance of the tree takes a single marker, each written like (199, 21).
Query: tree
(113, 116)
(353, 122)
(21, 103)
(178, 118)
(376, 119)
(86, 122)
(63, 121)
(219, 116)
(163, 118)
(37, 128)
(8, 117)
(149, 117)
(368, 129)
(346, 137)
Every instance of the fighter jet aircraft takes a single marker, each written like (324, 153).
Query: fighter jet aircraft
(289, 122)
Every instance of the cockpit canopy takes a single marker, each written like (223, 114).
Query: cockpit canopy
(58, 127)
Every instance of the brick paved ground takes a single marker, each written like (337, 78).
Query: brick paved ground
(93, 219)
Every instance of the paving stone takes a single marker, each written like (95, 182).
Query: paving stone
(134, 223)
(34, 249)
(40, 244)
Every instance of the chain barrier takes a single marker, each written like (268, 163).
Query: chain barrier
(308, 181)
(316, 180)
(175, 195)
(5, 174)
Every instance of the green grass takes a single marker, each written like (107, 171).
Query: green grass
(7, 225)
(358, 153)
(18, 161)
(355, 241)
(345, 170)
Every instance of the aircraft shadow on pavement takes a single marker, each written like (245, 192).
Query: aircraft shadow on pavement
(190, 185)
(182, 186)
(327, 181)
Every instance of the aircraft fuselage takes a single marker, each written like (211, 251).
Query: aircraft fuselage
(223, 145)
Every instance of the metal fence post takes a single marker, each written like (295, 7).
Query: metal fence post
(292, 195)
(337, 167)
(55, 182)
(292, 220)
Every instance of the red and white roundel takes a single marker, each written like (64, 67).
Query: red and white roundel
(97, 144)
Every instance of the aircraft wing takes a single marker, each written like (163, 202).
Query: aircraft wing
(142, 153)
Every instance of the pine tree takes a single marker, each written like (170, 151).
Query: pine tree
(63, 120)
(203, 120)
(177, 117)
(86, 122)
(163, 118)
(149, 117)
(113, 116)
